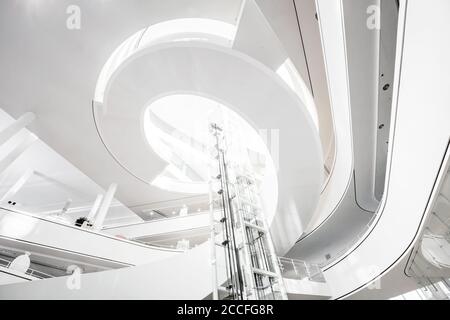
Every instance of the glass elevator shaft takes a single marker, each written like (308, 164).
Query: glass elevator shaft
(252, 269)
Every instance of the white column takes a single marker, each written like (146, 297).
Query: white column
(215, 291)
(95, 207)
(18, 185)
(15, 127)
(106, 203)
(66, 207)
(16, 152)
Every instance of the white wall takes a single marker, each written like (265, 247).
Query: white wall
(185, 276)
(419, 139)
(332, 33)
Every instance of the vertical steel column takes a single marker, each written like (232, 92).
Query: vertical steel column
(215, 292)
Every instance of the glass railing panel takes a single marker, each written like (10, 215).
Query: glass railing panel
(31, 272)
(298, 269)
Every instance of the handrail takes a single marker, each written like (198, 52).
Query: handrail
(31, 272)
(299, 269)
(189, 215)
(99, 233)
(166, 246)
(7, 261)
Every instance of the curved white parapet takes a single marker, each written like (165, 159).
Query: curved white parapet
(238, 82)
(417, 158)
(182, 29)
(161, 226)
(306, 290)
(364, 52)
(185, 276)
(20, 227)
(334, 51)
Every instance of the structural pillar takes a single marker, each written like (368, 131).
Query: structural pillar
(95, 207)
(104, 207)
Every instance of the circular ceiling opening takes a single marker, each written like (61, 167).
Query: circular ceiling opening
(177, 127)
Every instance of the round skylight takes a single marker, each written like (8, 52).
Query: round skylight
(177, 127)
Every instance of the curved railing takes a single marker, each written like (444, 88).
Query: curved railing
(299, 269)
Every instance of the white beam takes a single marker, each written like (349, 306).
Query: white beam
(106, 203)
(18, 185)
(16, 126)
(95, 207)
(16, 152)
(66, 207)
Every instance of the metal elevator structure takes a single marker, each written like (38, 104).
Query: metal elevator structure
(240, 229)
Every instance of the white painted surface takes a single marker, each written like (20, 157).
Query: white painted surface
(412, 150)
(104, 206)
(161, 226)
(16, 126)
(333, 43)
(17, 185)
(255, 37)
(53, 181)
(45, 233)
(362, 47)
(338, 233)
(54, 72)
(311, 38)
(342, 225)
(306, 290)
(185, 276)
(242, 84)
(281, 17)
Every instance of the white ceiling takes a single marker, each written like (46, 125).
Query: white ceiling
(52, 71)
(54, 181)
